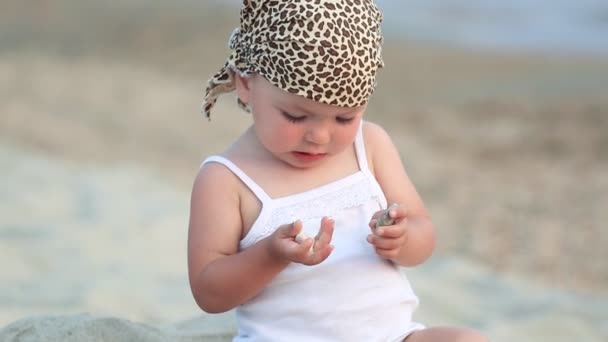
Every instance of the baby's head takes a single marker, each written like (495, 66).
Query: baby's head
(325, 50)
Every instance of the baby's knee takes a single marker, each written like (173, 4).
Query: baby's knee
(468, 335)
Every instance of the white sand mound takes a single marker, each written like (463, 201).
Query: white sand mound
(90, 328)
(82, 327)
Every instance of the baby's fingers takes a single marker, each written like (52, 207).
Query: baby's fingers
(384, 243)
(398, 212)
(388, 217)
(392, 232)
(321, 253)
(289, 231)
(325, 234)
(303, 248)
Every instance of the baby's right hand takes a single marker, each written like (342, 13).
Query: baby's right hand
(310, 251)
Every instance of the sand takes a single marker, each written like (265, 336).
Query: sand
(100, 138)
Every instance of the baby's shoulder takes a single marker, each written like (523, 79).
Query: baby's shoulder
(375, 137)
(216, 178)
(378, 145)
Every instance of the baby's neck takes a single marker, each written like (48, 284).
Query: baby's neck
(280, 179)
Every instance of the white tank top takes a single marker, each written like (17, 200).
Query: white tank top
(353, 295)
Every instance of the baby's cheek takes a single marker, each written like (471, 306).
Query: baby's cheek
(344, 138)
(289, 138)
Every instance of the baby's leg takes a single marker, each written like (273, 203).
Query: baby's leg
(446, 334)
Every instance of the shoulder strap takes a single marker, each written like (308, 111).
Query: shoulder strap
(253, 186)
(364, 166)
(360, 150)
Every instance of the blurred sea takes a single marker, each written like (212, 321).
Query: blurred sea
(553, 26)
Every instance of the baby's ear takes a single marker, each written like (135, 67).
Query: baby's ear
(243, 87)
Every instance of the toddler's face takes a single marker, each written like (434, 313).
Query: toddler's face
(298, 131)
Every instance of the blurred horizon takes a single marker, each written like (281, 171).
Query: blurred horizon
(562, 26)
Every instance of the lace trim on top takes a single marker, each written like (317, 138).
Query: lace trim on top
(327, 200)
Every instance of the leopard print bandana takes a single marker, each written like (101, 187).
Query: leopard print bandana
(326, 50)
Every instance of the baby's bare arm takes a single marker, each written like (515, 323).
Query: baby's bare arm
(221, 277)
(398, 188)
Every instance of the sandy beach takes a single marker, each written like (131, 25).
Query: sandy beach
(100, 138)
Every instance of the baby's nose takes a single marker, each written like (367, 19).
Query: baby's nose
(318, 136)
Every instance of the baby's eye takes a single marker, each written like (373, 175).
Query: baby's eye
(344, 121)
(293, 118)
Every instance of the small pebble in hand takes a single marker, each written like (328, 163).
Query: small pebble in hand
(301, 237)
(385, 219)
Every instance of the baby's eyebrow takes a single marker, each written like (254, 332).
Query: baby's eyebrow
(302, 109)
(349, 111)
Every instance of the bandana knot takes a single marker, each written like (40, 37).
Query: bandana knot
(235, 37)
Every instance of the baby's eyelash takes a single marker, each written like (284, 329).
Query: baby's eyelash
(292, 118)
(344, 121)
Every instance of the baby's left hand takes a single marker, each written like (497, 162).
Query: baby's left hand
(389, 240)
